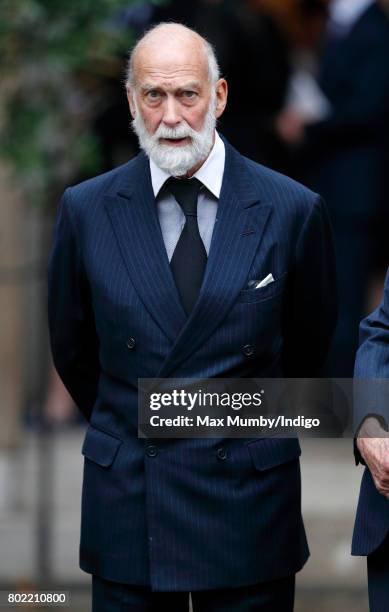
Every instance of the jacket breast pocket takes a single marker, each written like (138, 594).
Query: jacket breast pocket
(267, 453)
(100, 447)
(272, 290)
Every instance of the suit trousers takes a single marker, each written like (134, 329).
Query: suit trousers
(378, 578)
(273, 596)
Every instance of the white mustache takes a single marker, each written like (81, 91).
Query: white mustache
(173, 133)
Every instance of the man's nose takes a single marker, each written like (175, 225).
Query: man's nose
(171, 116)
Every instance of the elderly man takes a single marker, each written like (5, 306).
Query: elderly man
(189, 261)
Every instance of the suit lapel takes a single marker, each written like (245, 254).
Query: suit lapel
(241, 221)
(133, 214)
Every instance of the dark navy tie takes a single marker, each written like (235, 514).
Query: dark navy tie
(190, 257)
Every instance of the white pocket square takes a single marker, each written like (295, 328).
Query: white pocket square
(265, 281)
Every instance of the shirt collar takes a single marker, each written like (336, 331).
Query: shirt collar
(347, 12)
(210, 173)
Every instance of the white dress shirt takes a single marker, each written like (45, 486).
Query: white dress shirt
(170, 214)
(345, 13)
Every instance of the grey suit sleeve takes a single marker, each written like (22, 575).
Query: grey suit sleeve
(73, 337)
(371, 397)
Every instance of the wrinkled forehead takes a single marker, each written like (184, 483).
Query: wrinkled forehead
(171, 61)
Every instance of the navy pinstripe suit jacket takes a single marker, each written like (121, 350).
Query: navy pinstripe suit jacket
(188, 518)
(372, 362)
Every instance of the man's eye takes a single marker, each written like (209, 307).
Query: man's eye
(153, 94)
(189, 94)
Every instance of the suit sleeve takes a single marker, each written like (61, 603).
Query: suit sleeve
(311, 304)
(371, 395)
(73, 337)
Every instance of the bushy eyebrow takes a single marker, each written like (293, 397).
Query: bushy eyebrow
(190, 85)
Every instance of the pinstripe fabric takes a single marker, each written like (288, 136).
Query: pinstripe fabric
(108, 596)
(372, 362)
(186, 519)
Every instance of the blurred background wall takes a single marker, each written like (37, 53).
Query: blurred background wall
(309, 96)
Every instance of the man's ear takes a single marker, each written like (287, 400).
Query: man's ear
(221, 88)
(130, 98)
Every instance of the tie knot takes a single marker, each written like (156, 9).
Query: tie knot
(186, 192)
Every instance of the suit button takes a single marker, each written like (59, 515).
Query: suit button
(221, 453)
(131, 343)
(151, 450)
(248, 350)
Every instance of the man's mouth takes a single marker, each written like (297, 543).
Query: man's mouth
(175, 142)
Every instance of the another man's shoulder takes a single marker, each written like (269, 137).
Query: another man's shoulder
(281, 190)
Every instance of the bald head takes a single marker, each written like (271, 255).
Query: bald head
(167, 42)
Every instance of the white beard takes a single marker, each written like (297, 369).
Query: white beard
(177, 160)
